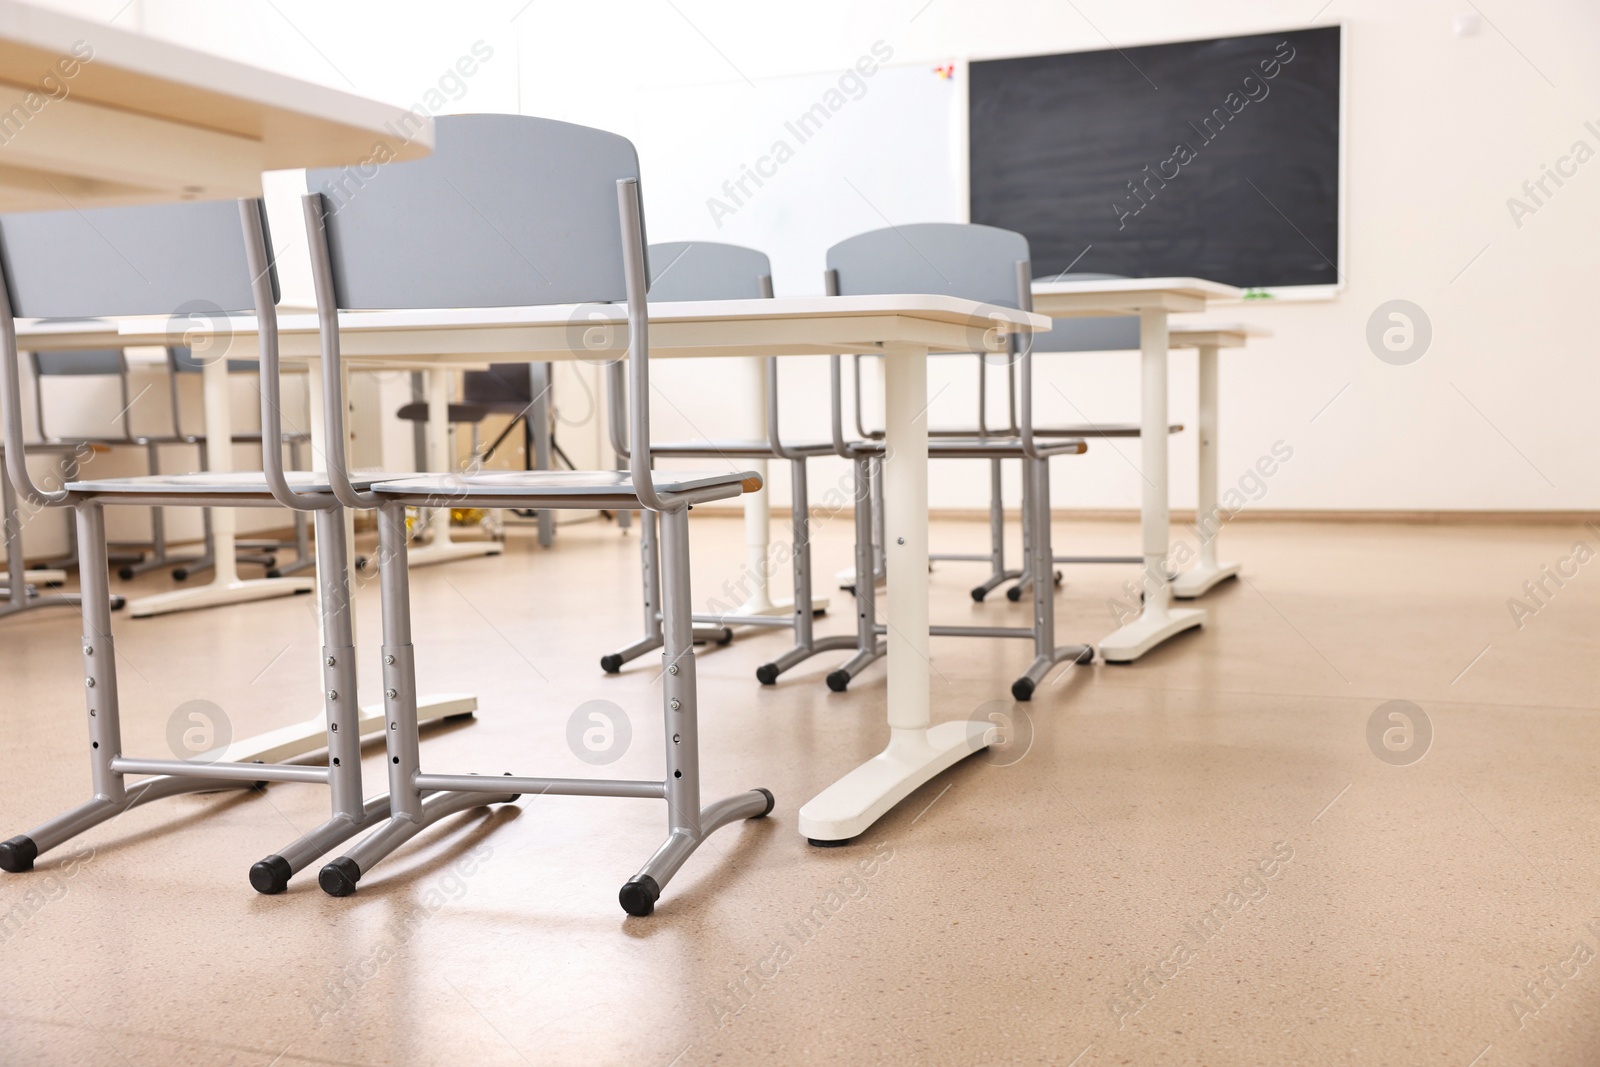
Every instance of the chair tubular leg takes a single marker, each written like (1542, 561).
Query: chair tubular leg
(868, 647)
(111, 794)
(687, 824)
(1046, 653)
(408, 813)
(806, 643)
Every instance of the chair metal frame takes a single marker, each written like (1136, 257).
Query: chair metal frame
(717, 627)
(109, 766)
(413, 808)
(1035, 456)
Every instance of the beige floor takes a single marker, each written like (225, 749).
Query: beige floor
(1197, 859)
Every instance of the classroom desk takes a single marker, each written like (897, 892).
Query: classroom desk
(904, 329)
(1152, 299)
(120, 118)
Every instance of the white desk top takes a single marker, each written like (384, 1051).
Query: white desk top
(784, 326)
(138, 120)
(1093, 298)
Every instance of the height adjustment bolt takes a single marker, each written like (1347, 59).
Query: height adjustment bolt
(88, 650)
(391, 693)
(674, 705)
(331, 661)
(673, 669)
(333, 694)
(389, 660)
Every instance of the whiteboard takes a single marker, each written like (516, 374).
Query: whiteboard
(893, 152)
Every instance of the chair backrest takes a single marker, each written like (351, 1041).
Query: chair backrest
(80, 363)
(946, 258)
(161, 259)
(507, 211)
(182, 360)
(706, 270)
(178, 260)
(1114, 333)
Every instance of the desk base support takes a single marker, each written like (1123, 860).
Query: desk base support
(1202, 579)
(1146, 632)
(217, 594)
(914, 757)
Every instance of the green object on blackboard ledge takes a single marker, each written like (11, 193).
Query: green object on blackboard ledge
(1258, 294)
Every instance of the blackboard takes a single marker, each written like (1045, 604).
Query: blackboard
(1215, 159)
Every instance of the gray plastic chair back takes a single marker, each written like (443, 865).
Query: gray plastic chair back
(706, 270)
(1116, 333)
(159, 259)
(504, 213)
(950, 259)
(184, 361)
(81, 362)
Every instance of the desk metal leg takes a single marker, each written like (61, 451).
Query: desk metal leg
(916, 751)
(1158, 621)
(1199, 579)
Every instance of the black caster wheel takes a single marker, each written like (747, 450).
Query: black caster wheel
(339, 878)
(118, 603)
(978, 594)
(839, 681)
(1014, 594)
(638, 897)
(1022, 689)
(125, 573)
(611, 664)
(180, 574)
(767, 674)
(270, 876)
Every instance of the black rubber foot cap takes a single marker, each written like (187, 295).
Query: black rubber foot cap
(339, 878)
(839, 681)
(818, 843)
(771, 803)
(180, 575)
(125, 573)
(274, 573)
(639, 896)
(271, 875)
(1014, 594)
(1022, 689)
(611, 664)
(118, 603)
(18, 854)
(767, 674)
(1086, 656)
(978, 594)
(726, 638)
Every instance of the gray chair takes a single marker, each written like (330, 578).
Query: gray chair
(151, 261)
(20, 595)
(567, 229)
(975, 263)
(704, 270)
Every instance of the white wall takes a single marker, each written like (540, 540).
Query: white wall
(1442, 131)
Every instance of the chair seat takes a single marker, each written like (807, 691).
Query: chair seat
(417, 411)
(204, 483)
(974, 448)
(600, 486)
(733, 449)
(1107, 429)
